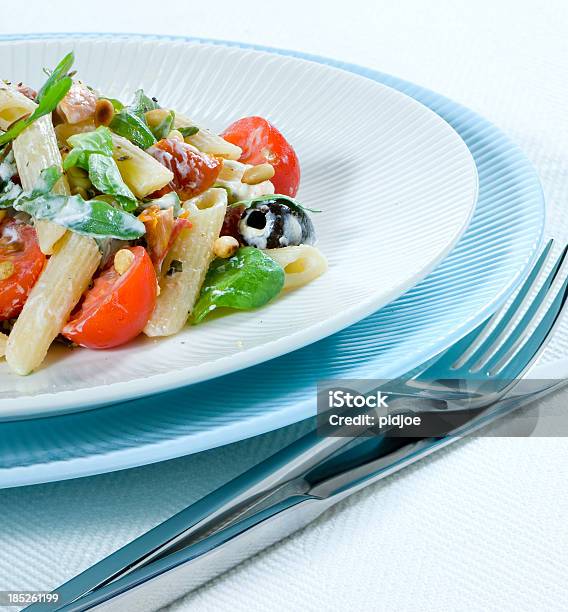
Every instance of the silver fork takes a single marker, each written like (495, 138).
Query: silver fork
(298, 483)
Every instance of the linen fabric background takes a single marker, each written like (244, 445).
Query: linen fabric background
(480, 525)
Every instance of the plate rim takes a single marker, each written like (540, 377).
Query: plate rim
(117, 459)
(47, 404)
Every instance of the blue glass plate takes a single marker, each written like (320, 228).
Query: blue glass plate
(474, 280)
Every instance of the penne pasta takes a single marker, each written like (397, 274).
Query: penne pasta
(302, 264)
(34, 150)
(140, 171)
(64, 130)
(207, 141)
(139, 219)
(230, 178)
(13, 106)
(232, 170)
(193, 249)
(66, 276)
(3, 341)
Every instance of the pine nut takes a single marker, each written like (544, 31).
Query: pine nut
(258, 174)
(225, 246)
(104, 112)
(123, 260)
(7, 268)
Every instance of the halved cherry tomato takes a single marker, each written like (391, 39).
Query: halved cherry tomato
(21, 263)
(261, 142)
(117, 307)
(194, 172)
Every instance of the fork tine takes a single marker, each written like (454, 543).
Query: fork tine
(440, 367)
(521, 326)
(539, 337)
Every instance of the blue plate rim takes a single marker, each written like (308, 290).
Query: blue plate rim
(83, 466)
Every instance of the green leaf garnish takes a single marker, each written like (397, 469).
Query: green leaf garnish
(60, 72)
(46, 182)
(49, 96)
(130, 122)
(105, 176)
(247, 280)
(291, 202)
(164, 127)
(142, 103)
(92, 151)
(87, 143)
(133, 127)
(188, 131)
(95, 218)
(48, 103)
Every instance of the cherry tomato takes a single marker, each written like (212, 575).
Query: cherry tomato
(21, 263)
(117, 307)
(194, 172)
(261, 142)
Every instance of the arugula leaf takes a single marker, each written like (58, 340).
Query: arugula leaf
(130, 125)
(142, 103)
(87, 143)
(61, 70)
(164, 127)
(188, 131)
(93, 218)
(247, 280)
(105, 176)
(290, 202)
(48, 103)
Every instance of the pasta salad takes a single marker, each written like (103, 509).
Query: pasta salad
(118, 219)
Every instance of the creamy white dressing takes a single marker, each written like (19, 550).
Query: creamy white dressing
(237, 191)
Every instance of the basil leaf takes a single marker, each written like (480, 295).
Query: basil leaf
(47, 104)
(130, 125)
(85, 144)
(46, 182)
(164, 127)
(105, 176)
(93, 218)
(247, 280)
(188, 131)
(142, 103)
(9, 194)
(290, 202)
(61, 70)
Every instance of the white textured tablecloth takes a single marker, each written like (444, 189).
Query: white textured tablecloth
(479, 526)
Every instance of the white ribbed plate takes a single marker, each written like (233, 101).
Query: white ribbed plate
(396, 184)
